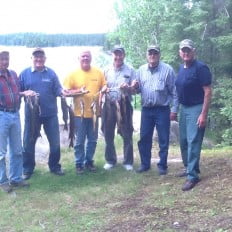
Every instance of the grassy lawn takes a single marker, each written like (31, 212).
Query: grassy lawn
(119, 200)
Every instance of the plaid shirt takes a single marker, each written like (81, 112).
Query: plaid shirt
(9, 90)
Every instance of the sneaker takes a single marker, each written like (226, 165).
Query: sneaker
(6, 188)
(58, 172)
(79, 170)
(128, 167)
(108, 166)
(90, 167)
(20, 184)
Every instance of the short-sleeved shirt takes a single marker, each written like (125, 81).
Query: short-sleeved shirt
(190, 82)
(47, 84)
(157, 86)
(115, 78)
(9, 90)
(93, 80)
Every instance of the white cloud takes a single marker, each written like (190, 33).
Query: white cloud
(57, 16)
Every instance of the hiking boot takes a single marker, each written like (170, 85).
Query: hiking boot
(6, 188)
(162, 171)
(90, 167)
(79, 170)
(27, 176)
(182, 174)
(189, 184)
(21, 184)
(142, 169)
(58, 172)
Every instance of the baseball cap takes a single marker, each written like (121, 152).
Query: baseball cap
(153, 47)
(186, 43)
(118, 48)
(3, 50)
(38, 50)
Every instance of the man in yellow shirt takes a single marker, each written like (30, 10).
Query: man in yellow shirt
(91, 82)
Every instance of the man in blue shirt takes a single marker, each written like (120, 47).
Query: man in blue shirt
(45, 83)
(194, 93)
(156, 83)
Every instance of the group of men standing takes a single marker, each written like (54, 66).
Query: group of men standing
(107, 94)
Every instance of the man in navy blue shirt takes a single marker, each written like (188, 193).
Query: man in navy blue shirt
(194, 92)
(45, 83)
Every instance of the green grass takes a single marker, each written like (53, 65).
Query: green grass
(118, 200)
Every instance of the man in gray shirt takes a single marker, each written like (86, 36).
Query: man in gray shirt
(117, 109)
(156, 83)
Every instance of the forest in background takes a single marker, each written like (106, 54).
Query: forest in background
(52, 40)
(165, 22)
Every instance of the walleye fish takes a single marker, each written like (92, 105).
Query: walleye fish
(71, 126)
(118, 115)
(94, 110)
(82, 105)
(65, 109)
(32, 102)
(126, 126)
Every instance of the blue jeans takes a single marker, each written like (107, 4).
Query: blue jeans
(51, 128)
(84, 151)
(151, 117)
(191, 137)
(10, 132)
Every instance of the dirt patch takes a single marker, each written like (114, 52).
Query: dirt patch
(206, 208)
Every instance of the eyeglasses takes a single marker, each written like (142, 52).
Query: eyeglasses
(186, 50)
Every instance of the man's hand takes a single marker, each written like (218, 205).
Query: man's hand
(27, 93)
(104, 89)
(201, 121)
(173, 116)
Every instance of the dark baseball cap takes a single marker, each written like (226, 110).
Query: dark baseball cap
(118, 48)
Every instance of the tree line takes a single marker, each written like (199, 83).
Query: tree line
(51, 40)
(166, 22)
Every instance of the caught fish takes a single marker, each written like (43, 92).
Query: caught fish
(82, 105)
(32, 102)
(118, 115)
(126, 110)
(71, 126)
(94, 111)
(65, 109)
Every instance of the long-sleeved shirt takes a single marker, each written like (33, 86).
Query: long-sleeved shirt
(47, 84)
(116, 77)
(157, 86)
(9, 90)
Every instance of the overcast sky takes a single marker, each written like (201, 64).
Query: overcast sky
(56, 16)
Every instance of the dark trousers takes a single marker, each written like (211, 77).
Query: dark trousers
(152, 117)
(51, 128)
(110, 118)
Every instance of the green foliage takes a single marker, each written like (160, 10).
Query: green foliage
(222, 100)
(166, 22)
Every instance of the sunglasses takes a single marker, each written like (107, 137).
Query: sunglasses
(153, 52)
